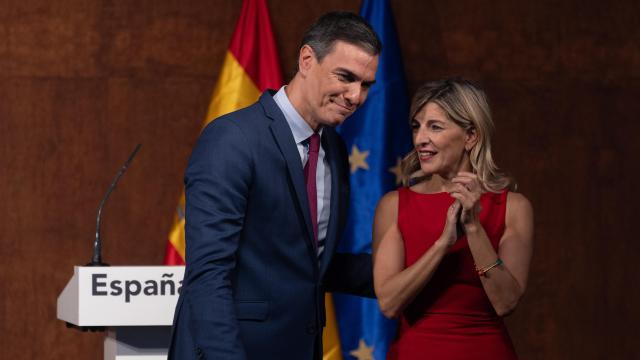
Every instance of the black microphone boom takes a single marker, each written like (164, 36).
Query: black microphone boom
(96, 260)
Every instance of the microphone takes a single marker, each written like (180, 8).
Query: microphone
(96, 260)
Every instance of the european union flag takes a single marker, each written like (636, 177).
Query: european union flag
(377, 137)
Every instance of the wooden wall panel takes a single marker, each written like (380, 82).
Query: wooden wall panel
(82, 82)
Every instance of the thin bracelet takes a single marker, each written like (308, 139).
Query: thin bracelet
(483, 272)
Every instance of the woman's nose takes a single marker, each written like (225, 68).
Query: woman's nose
(422, 136)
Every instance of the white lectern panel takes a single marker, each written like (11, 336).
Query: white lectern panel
(136, 303)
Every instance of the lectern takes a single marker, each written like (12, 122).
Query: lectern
(134, 304)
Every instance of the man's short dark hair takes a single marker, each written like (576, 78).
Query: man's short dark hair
(342, 26)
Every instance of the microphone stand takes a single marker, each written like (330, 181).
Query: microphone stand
(96, 260)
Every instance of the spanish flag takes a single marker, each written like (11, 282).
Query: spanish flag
(250, 67)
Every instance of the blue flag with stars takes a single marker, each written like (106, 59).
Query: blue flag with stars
(377, 137)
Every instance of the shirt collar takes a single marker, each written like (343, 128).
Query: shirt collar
(300, 128)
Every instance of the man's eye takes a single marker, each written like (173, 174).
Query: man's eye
(345, 78)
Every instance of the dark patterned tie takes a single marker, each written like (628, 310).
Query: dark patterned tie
(310, 179)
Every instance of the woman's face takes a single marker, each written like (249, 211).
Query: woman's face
(440, 143)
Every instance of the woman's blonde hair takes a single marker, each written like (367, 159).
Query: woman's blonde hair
(466, 105)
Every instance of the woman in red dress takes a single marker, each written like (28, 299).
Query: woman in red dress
(451, 250)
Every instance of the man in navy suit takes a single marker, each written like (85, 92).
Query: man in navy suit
(267, 190)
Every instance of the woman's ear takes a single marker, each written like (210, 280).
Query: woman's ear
(471, 139)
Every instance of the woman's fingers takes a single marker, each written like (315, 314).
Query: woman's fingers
(465, 188)
(469, 180)
(456, 187)
(450, 234)
(453, 210)
(463, 195)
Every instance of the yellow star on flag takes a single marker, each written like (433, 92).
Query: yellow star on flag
(397, 171)
(363, 352)
(358, 160)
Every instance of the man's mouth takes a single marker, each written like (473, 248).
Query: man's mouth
(343, 109)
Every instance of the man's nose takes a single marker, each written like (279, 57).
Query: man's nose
(355, 95)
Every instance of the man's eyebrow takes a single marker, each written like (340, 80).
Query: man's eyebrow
(348, 73)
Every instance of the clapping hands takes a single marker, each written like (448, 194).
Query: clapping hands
(466, 189)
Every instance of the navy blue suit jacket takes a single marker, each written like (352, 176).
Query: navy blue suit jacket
(254, 287)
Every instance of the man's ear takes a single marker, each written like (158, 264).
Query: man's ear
(306, 59)
(471, 139)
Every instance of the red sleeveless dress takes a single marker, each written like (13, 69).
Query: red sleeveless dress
(452, 318)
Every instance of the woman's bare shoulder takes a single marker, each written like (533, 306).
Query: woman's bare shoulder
(518, 202)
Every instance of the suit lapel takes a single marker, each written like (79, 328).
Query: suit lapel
(284, 139)
(329, 146)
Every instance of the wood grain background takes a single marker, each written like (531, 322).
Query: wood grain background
(82, 82)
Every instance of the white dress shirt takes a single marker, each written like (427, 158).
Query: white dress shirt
(301, 132)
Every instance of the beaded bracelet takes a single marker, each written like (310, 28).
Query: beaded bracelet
(483, 272)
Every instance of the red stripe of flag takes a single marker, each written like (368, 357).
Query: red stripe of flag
(253, 46)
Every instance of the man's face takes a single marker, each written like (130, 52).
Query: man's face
(337, 85)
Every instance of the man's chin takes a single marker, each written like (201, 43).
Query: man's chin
(338, 119)
(335, 118)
